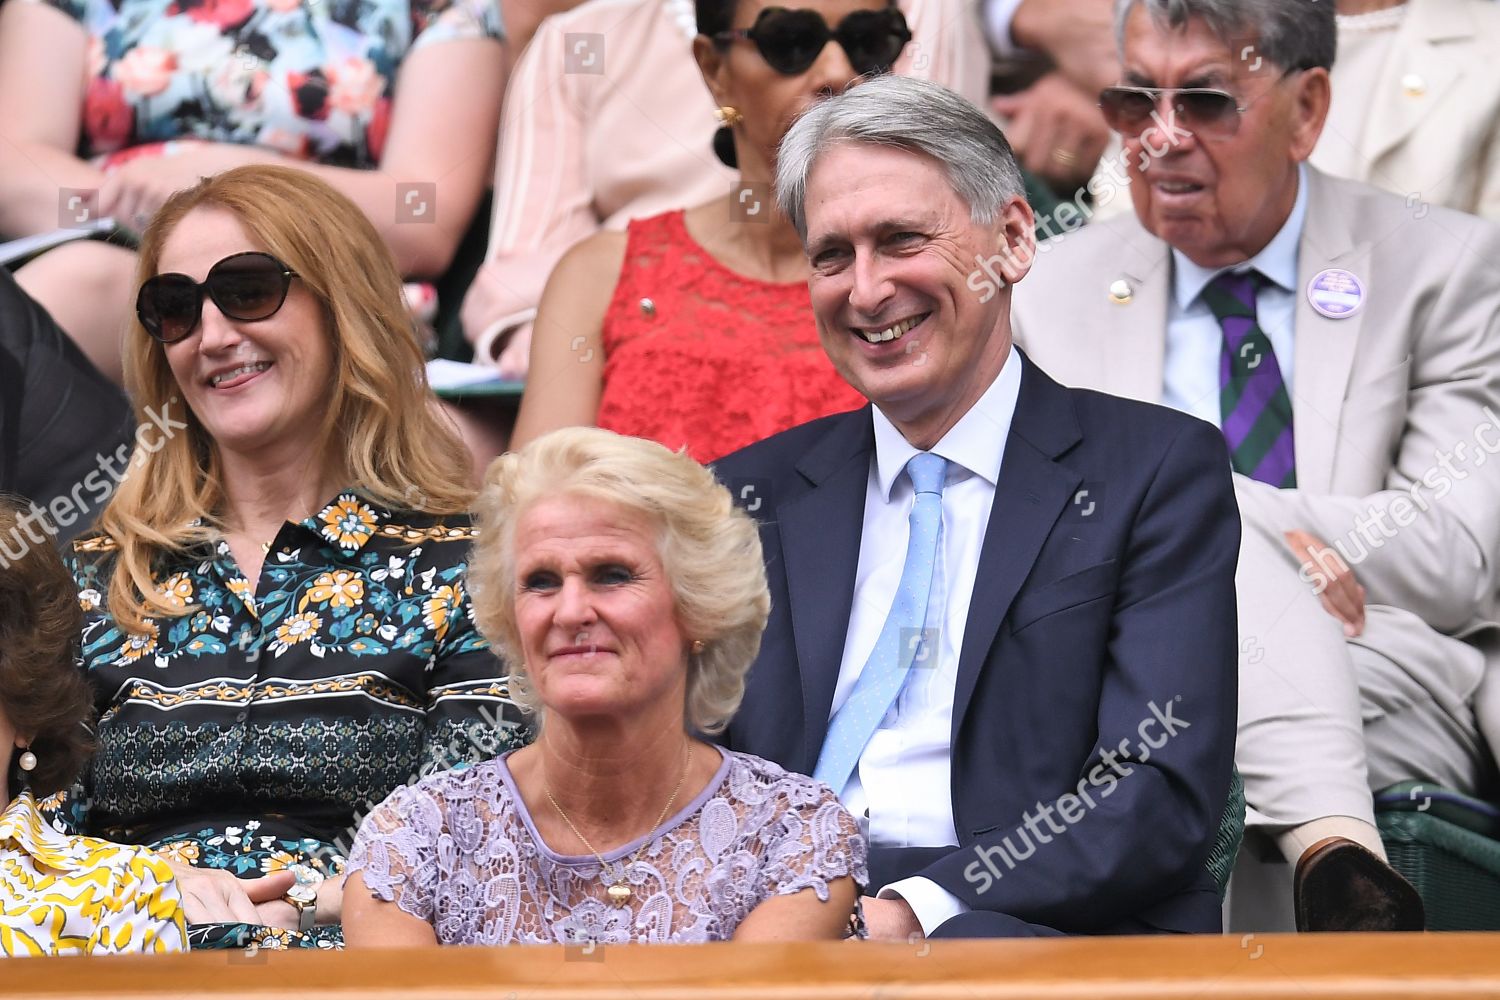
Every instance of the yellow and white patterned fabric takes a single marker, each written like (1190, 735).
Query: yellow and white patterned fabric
(62, 895)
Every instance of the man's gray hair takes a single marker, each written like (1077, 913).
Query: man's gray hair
(1291, 34)
(909, 114)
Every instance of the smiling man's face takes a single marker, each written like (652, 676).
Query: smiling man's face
(893, 250)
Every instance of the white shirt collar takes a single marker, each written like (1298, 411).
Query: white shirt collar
(1277, 260)
(975, 445)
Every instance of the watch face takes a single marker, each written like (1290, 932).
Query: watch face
(303, 893)
(305, 874)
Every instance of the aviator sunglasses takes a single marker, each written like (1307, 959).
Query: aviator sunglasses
(790, 41)
(246, 286)
(1214, 114)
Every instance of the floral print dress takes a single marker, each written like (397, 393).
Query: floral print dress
(313, 79)
(253, 732)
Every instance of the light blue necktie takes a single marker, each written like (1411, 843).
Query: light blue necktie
(885, 671)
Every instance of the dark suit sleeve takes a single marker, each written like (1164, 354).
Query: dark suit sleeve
(1139, 829)
(58, 415)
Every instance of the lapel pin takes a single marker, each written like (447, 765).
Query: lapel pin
(1335, 293)
(1414, 85)
(1120, 292)
(648, 308)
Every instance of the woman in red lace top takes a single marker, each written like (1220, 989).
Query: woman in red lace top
(694, 328)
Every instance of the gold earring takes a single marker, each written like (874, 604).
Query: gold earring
(728, 117)
(697, 647)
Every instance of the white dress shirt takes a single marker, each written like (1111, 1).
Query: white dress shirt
(998, 14)
(901, 788)
(1194, 337)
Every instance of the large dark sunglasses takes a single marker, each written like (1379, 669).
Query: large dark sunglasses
(246, 286)
(1213, 114)
(790, 41)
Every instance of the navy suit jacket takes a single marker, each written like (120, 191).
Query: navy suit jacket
(1097, 675)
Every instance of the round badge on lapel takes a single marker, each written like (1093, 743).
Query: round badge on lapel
(1120, 292)
(1335, 293)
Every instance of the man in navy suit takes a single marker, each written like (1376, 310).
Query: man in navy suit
(1003, 612)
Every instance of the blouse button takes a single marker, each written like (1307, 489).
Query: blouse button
(242, 716)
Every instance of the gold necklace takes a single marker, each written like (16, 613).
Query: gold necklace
(618, 891)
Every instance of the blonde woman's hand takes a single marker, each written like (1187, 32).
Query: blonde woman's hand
(212, 897)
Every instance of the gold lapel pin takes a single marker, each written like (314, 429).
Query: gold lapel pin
(1120, 292)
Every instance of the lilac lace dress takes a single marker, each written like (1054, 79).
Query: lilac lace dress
(459, 850)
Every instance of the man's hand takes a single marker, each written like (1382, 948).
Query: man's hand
(133, 192)
(890, 919)
(1333, 580)
(212, 897)
(1079, 35)
(1056, 130)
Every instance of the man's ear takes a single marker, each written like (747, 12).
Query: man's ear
(1016, 239)
(711, 64)
(1310, 111)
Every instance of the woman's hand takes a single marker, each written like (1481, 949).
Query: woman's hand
(212, 897)
(133, 192)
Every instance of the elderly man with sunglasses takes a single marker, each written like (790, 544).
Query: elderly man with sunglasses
(1347, 343)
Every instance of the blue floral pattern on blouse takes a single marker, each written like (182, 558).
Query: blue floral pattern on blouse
(254, 729)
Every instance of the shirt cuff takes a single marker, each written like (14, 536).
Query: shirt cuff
(932, 904)
(997, 17)
(487, 345)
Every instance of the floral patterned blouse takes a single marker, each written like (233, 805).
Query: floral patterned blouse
(312, 79)
(255, 731)
(63, 895)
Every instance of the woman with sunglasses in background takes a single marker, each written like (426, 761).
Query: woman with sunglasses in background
(275, 616)
(694, 328)
(614, 129)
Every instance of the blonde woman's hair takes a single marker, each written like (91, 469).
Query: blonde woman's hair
(710, 552)
(380, 430)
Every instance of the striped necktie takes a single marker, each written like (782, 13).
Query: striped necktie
(1255, 410)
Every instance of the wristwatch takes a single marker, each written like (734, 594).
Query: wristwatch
(304, 895)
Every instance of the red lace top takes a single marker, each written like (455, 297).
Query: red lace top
(698, 355)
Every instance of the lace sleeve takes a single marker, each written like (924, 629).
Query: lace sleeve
(396, 850)
(812, 841)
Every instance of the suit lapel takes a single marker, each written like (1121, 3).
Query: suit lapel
(1136, 343)
(1324, 348)
(820, 536)
(1032, 493)
(1420, 54)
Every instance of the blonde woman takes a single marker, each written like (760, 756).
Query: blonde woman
(630, 595)
(275, 615)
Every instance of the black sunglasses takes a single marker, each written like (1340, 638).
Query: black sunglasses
(1203, 111)
(246, 286)
(790, 41)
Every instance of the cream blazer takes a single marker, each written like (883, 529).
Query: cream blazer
(1432, 125)
(1394, 407)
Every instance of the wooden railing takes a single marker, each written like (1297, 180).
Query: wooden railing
(1354, 966)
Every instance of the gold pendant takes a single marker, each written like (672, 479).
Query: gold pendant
(619, 894)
